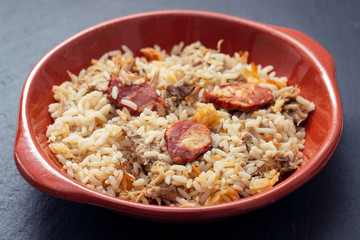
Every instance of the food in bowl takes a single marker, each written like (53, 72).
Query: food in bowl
(193, 127)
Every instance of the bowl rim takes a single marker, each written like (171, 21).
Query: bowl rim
(26, 142)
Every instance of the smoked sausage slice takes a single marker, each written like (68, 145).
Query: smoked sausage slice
(242, 96)
(134, 93)
(186, 140)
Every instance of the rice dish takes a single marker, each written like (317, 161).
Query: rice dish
(118, 147)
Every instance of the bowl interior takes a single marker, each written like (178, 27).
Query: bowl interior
(166, 30)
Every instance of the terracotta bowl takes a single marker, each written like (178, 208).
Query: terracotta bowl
(292, 53)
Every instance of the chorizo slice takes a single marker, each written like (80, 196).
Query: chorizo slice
(242, 96)
(133, 92)
(186, 140)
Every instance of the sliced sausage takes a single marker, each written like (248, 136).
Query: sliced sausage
(186, 140)
(134, 93)
(242, 96)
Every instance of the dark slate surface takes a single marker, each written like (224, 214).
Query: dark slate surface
(327, 207)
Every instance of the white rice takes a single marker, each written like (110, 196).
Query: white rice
(89, 140)
(129, 104)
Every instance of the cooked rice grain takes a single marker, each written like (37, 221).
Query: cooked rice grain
(249, 150)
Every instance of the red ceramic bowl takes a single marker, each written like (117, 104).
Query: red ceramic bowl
(293, 54)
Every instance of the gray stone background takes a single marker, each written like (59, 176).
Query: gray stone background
(327, 207)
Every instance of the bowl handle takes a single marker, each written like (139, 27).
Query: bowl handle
(38, 171)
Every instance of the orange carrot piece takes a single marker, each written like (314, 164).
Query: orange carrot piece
(152, 54)
(271, 81)
(216, 158)
(254, 68)
(195, 169)
(204, 52)
(268, 138)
